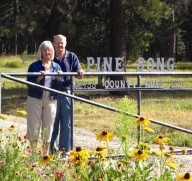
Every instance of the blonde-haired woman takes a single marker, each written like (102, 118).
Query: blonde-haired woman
(41, 104)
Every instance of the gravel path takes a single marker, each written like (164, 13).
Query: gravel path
(86, 139)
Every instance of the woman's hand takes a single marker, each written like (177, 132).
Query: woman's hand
(58, 77)
(40, 77)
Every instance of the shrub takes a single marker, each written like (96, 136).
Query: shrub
(13, 64)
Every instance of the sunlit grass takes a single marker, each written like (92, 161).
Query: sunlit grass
(173, 107)
(165, 112)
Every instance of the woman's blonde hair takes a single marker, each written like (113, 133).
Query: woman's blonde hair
(43, 45)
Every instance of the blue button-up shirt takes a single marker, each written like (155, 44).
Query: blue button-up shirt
(55, 84)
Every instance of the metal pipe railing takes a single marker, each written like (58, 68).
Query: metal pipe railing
(106, 73)
(95, 104)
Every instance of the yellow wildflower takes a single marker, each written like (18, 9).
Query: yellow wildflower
(2, 130)
(79, 156)
(140, 155)
(3, 116)
(171, 164)
(168, 155)
(99, 151)
(184, 176)
(21, 112)
(33, 169)
(46, 159)
(142, 121)
(160, 139)
(105, 136)
(12, 127)
(157, 153)
(147, 129)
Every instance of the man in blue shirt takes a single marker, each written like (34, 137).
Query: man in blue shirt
(68, 62)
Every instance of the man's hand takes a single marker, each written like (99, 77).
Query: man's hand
(80, 74)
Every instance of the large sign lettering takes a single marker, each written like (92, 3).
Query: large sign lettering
(105, 65)
(151, 65)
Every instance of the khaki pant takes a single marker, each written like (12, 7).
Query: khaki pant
(40, 118)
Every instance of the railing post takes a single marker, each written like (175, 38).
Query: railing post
(139, 107)
(72, 110)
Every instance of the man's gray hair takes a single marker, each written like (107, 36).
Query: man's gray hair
(43, 45)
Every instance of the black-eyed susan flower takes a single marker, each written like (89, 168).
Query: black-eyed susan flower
(46, 159)
(160, 139)
(140, 155)
(33, 169)
(2, 130)
(12, 127)
(142, 121)
(84, 154)
(4, 116)
(184, 177)
(149, 130)
(171, 164)
(21, 112)
(79, 156)
(99, 151)
(105, 136)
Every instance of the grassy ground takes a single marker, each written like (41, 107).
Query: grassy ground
(174, 107)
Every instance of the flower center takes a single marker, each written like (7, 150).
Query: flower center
(141, 119)
(77, 158)
(160, 137)
(99, 149)
(104, 133)
(187, 176)
(45, 157)
(78, 149)
(140, 152)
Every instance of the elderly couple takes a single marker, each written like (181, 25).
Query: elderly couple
(50, 113)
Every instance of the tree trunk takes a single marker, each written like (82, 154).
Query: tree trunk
(117, 44)
(172, 40)
(15, 24)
